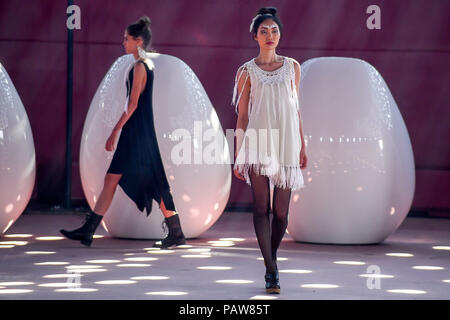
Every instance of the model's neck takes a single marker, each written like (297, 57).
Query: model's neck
(266, 56)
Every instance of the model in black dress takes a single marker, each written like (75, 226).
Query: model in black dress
(136, 165)
(137, 156)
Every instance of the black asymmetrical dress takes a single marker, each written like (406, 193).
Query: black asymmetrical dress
(137, 156)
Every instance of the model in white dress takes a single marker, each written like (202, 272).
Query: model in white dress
(269, 138)
(274, 122)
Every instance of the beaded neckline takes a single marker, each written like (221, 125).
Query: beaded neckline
(269, 72)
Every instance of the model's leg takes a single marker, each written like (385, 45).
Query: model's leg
(171, 218)
(85, 233)
(166, 213)
(261, 202)
(281, 199)
(261, 206)
(109, 188)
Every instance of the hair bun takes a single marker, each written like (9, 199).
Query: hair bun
(268, 10)
(144, 21)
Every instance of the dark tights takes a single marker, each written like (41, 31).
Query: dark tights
(269, 243)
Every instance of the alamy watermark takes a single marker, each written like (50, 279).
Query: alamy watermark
(74, 279)
(210, 146)
(373, 282)
(74, 19)
(374, 20)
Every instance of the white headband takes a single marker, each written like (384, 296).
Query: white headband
(254, 19)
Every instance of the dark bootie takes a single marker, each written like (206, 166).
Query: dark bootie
(272, 282)
(85, 233)
(175, 236)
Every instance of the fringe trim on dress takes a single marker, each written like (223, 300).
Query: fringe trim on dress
(285, 177)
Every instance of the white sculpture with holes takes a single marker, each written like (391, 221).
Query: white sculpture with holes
(17, 154)
(360, 179)
(182, 110)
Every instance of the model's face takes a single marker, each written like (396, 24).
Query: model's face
(268, 34)
(130, 43)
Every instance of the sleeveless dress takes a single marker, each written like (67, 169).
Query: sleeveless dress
(137, 156)
(272, 141)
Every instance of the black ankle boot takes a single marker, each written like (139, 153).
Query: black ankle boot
(175, 236)
(85, 233)
(272, 282)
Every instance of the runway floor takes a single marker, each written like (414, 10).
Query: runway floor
(224, 263)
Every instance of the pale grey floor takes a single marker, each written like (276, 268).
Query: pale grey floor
(19, 269)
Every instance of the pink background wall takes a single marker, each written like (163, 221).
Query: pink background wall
(411, 52)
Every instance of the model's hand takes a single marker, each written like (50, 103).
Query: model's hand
(237, 175)
(111, 142)
(303, 158)
(236, 172)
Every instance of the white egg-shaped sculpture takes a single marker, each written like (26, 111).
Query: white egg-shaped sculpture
(360, 179)
(183, 117)
(17, 154)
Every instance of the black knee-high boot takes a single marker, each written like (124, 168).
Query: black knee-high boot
(175, 236)
(85, 233)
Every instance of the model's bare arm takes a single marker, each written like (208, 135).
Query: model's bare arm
(242, 121)
(303, 156)
(139, 80)
(243, 91)
(297, 86)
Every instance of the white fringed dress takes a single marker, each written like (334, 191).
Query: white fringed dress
(272, 141)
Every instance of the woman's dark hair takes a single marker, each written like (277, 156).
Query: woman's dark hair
(141, 28)
(266, 13)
